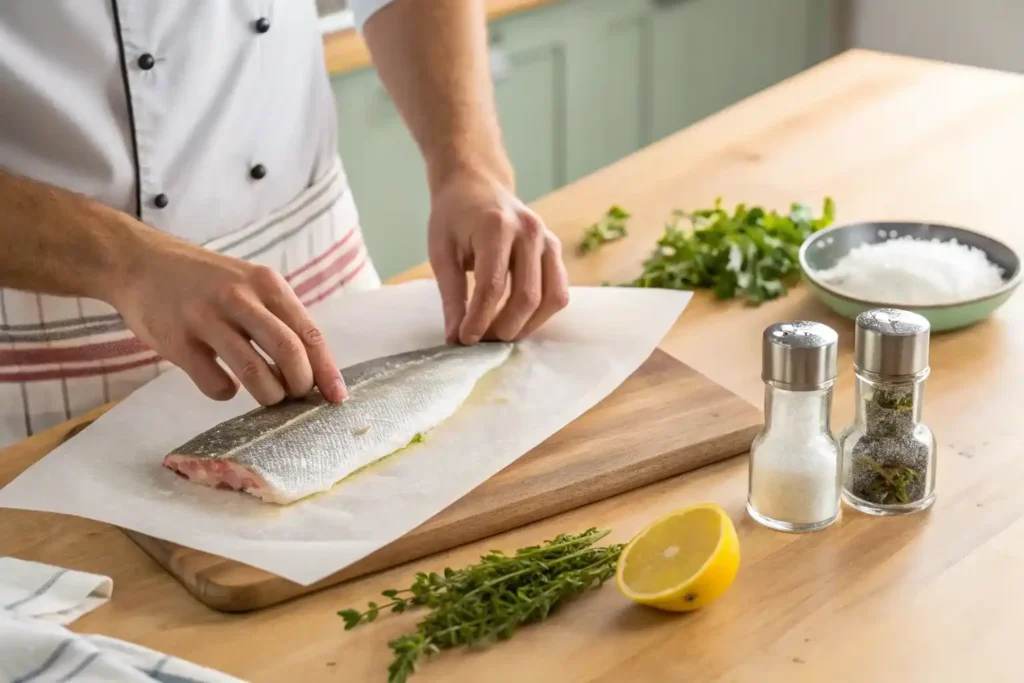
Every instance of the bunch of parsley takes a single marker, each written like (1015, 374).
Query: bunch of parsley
(751, 254)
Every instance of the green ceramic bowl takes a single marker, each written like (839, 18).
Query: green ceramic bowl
(823, 249)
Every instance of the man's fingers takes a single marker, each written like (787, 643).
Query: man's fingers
(451, 282)
(245, 362)
(200, 363)
(278, 341)
(325, 373)
(555, 295)
(527, 281)
(283, 303)
(490, 273)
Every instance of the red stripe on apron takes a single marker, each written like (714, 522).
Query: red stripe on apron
(69, 373)
(341, 283)
(345, 240)
(73, 354)
(330, 270)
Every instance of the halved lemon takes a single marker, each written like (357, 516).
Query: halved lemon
(681, 562)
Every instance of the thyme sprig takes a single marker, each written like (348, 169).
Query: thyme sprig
(488, 601)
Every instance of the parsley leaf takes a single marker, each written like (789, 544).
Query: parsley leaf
(749, 254)
(610, 228)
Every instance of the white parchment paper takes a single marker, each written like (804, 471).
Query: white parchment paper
(111, 472)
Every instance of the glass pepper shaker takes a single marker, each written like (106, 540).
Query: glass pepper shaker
(888, 452)
(794, 461)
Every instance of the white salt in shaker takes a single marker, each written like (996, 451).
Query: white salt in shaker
(794, 461)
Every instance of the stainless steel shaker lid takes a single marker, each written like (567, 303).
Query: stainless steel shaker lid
(891, 342)
(799, 355)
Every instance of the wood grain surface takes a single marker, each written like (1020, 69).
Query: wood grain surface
(934, 598)
(662, 421)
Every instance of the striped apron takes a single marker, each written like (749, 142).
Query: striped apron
(63, 356)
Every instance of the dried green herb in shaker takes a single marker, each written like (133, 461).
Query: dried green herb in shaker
(888, 452)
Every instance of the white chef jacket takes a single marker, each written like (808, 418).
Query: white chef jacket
(212, 121)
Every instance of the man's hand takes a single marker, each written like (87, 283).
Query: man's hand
(477, 224)
(192, 305)
(432, 58)
(189, 304)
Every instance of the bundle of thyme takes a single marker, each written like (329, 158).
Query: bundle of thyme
(489, 600)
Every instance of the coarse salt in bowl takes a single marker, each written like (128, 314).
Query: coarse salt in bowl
(914, 272)
(952, 276)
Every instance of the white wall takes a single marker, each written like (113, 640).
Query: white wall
(987, 33)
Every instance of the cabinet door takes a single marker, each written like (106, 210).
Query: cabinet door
(384, 165)
(528, 64)
(708, 54)
(385, 171)
(609, 82)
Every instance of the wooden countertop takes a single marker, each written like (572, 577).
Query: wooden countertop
(346, 51)
(932, 597)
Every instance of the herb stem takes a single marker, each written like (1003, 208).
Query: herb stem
(506, 577)
(489, 600)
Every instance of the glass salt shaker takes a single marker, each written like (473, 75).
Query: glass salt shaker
(888, 452)
(794, 461)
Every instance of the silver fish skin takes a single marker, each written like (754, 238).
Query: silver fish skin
(300, 447)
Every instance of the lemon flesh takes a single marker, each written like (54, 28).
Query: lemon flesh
(681, 562)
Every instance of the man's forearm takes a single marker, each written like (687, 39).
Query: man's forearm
(432, 57)
(56, 242)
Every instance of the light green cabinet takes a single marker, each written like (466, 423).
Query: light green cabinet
(609, 82)
(386, 172)
(529, 57)
(579, 84)
(709, 54)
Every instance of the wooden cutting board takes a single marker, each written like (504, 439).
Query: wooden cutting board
(664, 420)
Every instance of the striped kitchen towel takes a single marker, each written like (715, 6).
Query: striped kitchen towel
(37, 601)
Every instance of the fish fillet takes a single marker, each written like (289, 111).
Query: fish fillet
(304, 446)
